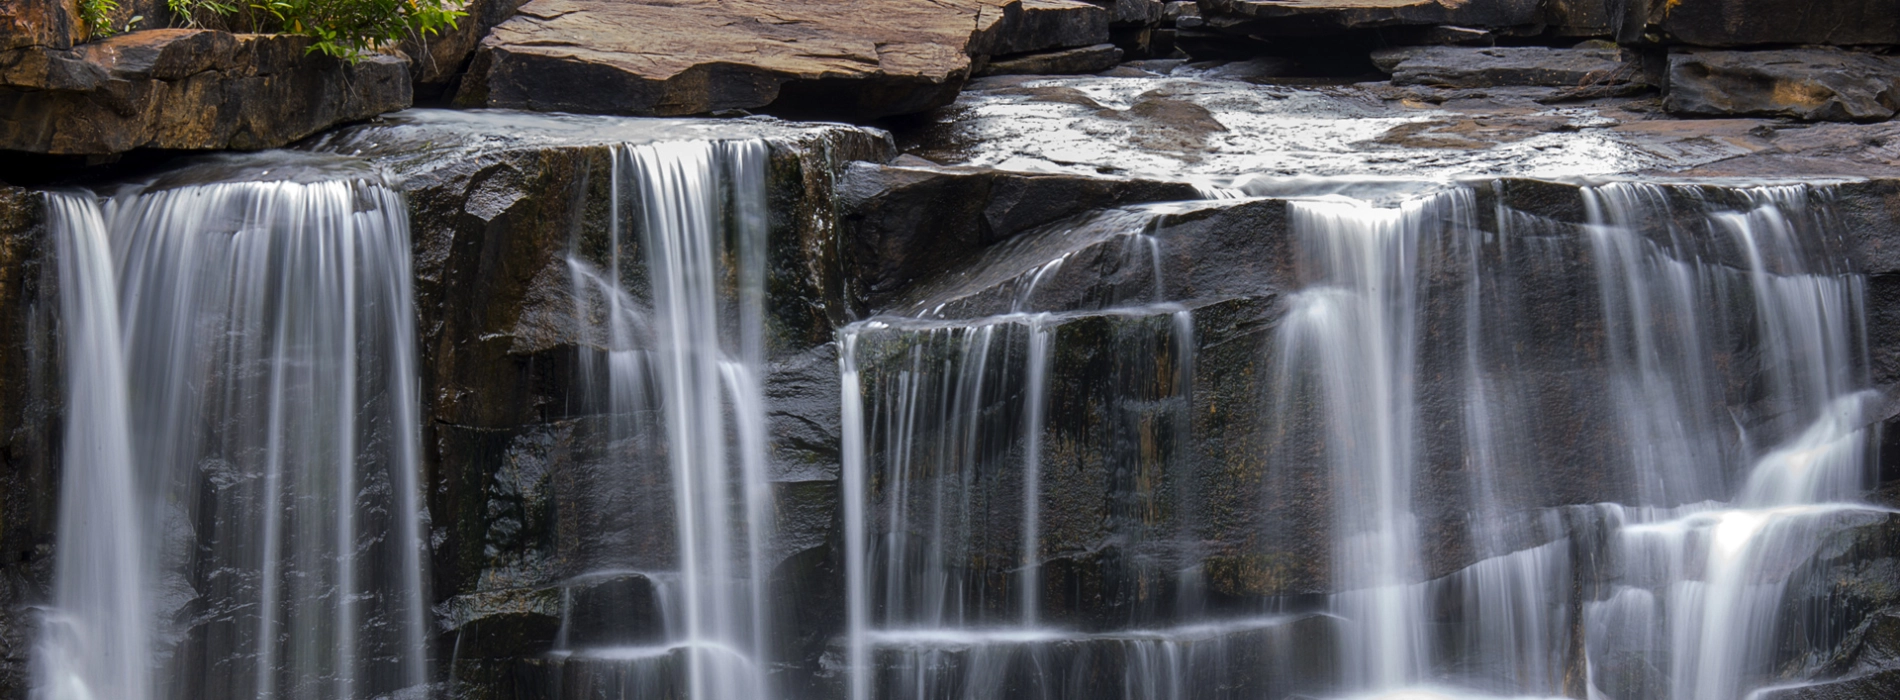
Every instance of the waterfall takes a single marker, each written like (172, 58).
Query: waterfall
(948, 445)
(670, 303)
(1559, 458)
(241, 511)
(1705, 580)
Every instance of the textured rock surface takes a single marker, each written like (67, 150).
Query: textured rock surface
(521, 500)
(29, 445)
(1810, 84)
(802, 57)
(1087, 59)
(1292, 18)
(1446, 66)
(1759, 22)
(52, 24)
(186, 89)
(440, 59)
(902, 225)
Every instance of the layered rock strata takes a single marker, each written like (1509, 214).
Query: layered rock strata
(187, 89)
(804, 57)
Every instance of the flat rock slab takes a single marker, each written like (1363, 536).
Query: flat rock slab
(1458, 67)
(1808, 84)
(1223, 131)
(1280, 18)
(839, 58)
(186, 89)
(1088, 59)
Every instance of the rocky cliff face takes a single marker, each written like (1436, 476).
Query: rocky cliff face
(29, 428)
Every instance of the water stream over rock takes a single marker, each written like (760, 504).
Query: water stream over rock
(498, 405)
(241, 516)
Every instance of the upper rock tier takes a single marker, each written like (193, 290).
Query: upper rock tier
(1712, 23)
(859, 59)
(186, 89)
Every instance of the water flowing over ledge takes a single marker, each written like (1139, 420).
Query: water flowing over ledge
(241, 514)
(679, 428)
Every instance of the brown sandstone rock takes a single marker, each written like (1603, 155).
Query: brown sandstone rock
(802, 57)
(49, 23)
(186, 89)
(1809, 84)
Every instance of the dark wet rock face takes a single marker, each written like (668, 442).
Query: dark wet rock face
(1280, 19)
(1510, 66)
(528, 501)
(30, 407)
(1806, 84)
(1768, 22)
(187, 89)
(903, 225)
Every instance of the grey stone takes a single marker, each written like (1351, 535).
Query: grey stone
(904, 225)
(1088, 59)
(1445, 66)
(1819, 84)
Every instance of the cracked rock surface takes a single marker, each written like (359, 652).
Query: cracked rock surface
(186, 89)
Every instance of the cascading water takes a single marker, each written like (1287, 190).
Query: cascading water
(949, 445)
(671, 304)
(240, 516)
(1718, 382)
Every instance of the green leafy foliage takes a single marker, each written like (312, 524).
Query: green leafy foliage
(350, 28)
(345, 29)
(97, 14)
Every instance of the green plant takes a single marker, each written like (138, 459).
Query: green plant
(97, 14)
(346, 29)
(350, 28)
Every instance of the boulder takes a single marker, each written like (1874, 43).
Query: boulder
(800, 57)
(1623, 20)
(1447, 66)
(440, 59)
(1755, 22)
(187, 89)
(1820, 84)
(1087, 59)
(52, 24)
(1281, 18)
(1131, 12)
(901, 225)
(1039, 25)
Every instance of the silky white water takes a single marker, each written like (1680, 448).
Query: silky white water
(241, 511)
(670, 306)
(1713, 385)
